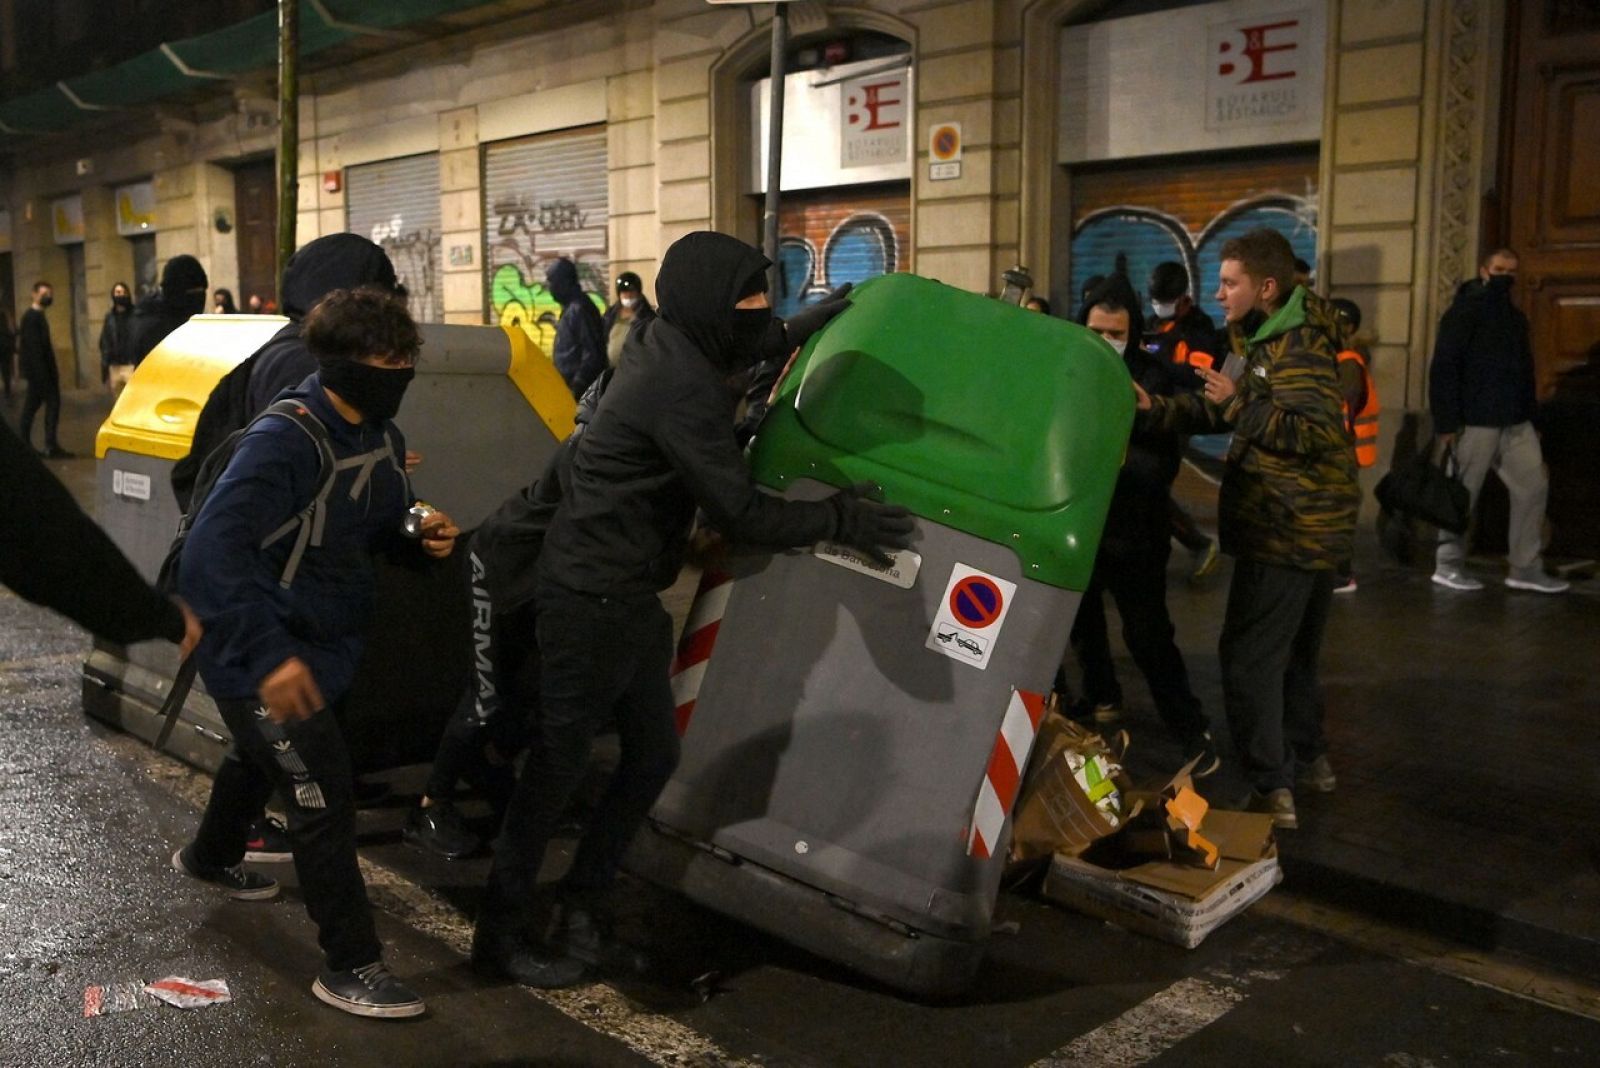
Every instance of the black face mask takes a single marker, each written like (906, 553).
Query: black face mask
(375, 392)
(1500, 284)
(122, 302)
(46, 300)
(747, 329)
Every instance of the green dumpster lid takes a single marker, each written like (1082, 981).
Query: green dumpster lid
(1003, 423)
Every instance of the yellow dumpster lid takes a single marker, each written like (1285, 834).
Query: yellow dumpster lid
(156, 413)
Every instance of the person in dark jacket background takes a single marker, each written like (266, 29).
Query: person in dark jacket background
(661, 444)
(1481, 393)
(1132, 561)
(8, 350)
(182, 294)
(580, 347)
(116, 341)
(54, 555)
(37, 357)
(279, 656)
(631, 306)
(1181, 334)
(333, 261)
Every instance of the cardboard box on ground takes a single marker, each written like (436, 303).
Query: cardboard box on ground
(1159, 862)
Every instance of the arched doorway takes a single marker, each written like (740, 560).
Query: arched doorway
(849, 145)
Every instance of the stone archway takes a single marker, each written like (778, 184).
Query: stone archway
(730, 109)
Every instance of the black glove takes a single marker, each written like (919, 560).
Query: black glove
(799, 327)
(868, 525)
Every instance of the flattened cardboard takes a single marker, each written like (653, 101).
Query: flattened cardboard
(1241, 838)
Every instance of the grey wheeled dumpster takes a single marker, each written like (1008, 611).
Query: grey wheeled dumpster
(486, 409)
(853, 735)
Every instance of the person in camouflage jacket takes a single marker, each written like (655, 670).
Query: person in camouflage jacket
(1286, 512)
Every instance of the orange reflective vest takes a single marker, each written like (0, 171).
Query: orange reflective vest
(1365, 424)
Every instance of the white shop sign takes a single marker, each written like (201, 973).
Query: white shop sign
(1193, 79)
(843, 125)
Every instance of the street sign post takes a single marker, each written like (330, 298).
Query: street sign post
(769, 213)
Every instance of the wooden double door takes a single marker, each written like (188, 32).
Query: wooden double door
(1550, 213)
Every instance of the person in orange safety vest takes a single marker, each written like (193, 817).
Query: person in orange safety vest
(1360, 401)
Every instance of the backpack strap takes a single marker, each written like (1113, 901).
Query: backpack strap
(309, 520)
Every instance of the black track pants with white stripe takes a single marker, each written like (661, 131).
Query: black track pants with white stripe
(309, 765)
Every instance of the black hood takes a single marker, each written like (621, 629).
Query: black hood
(184, 285)
(336, 261)
(1117, 289)
(702, 277)
(561, 278)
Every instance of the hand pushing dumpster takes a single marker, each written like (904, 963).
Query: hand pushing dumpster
(853, 733)
(486, 410)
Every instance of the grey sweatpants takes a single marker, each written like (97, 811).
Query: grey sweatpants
(1513, 451)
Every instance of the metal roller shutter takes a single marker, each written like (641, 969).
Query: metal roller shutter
(1184, 209)
(544, 197)
(396, 204)
(828, 238)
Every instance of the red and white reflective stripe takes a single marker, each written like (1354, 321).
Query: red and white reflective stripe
(694, 648)
(1003, 778)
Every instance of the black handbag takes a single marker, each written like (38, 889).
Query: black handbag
(1427, 491)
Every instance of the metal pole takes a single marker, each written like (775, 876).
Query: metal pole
(780, 45)
(288, 130)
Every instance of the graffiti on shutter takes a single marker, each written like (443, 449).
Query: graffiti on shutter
(395, 203)
(544, 197)
(827, 239)
(1155, 211)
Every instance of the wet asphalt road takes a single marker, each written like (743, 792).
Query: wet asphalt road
(86, 897)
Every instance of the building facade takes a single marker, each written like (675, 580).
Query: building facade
(953, 138)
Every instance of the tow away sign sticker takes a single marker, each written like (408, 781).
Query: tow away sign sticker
(970, 615)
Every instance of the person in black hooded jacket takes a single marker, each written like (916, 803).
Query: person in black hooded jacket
(336, 261)
(1132, 561)
(580, 349)
(182, 294)
(661, 444)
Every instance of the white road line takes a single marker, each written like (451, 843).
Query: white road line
(660, 1039)
(1182, 1010)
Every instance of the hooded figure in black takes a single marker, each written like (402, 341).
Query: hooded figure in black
(660, 445)
(1132, 561)
(183, 291)
(337, 261)
(580, 351)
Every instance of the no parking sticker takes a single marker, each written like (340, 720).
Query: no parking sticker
(970, 615)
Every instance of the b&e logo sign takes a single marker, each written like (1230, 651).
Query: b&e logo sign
(1256, 72)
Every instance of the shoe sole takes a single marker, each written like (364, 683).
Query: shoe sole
(1453, 584)
(1107, 715)
(1206, 769)
(1319, 786)
(266, 893)
(374, 1012)
(1534, 587)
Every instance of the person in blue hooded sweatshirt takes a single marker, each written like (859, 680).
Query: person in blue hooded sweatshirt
(580, 349)
(280, 648)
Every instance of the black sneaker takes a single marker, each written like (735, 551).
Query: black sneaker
(56, 452)
(588, 936)
(368, 991)
(500, 952)
(439, 829)
(241, 885)
(268, 842)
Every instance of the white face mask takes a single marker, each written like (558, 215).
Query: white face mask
(1162, 310)
(1118, 345)
(628, 302)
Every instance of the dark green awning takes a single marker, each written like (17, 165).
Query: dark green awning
(212, 58)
